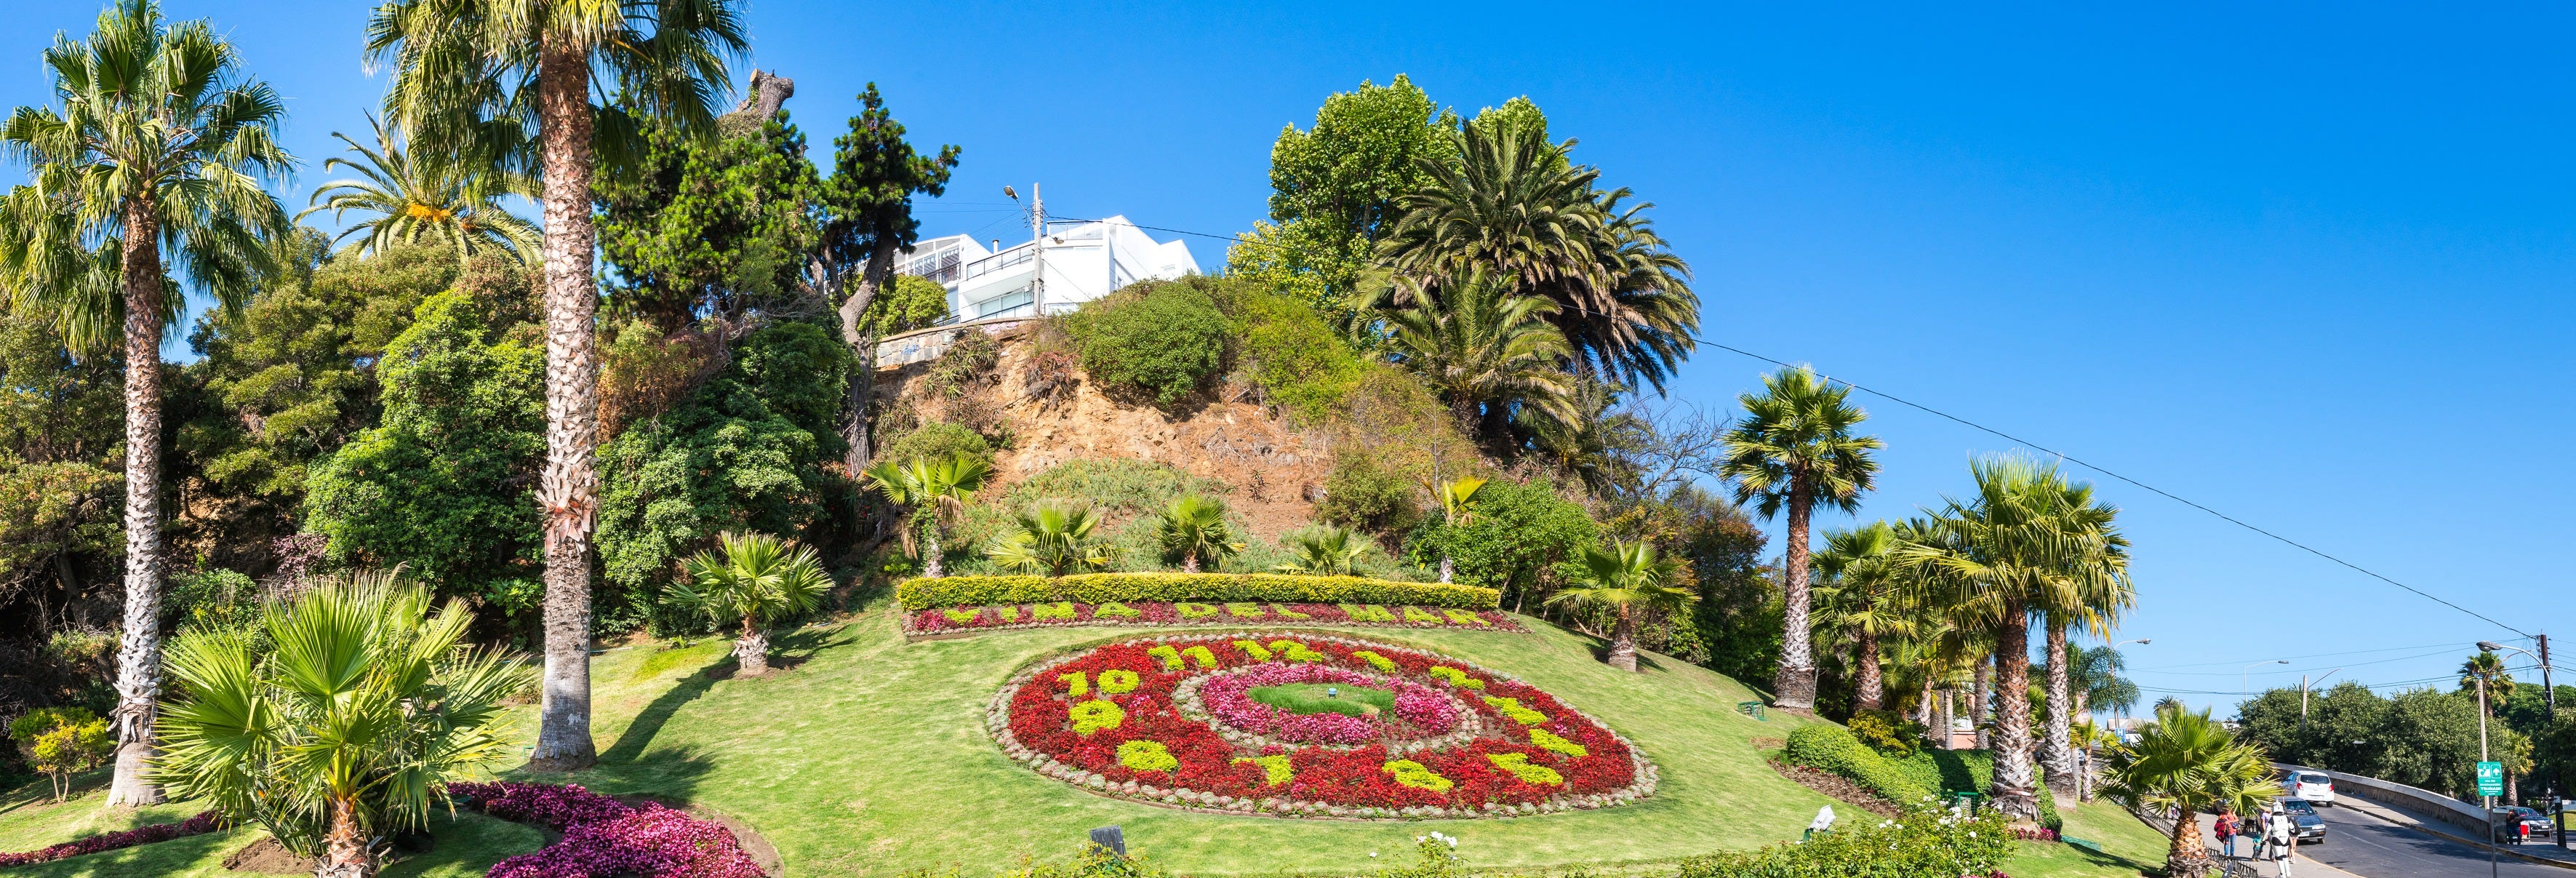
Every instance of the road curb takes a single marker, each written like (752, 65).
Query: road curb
(2402, 819)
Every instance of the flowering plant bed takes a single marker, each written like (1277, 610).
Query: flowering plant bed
(1187, 614)
(603, 836)
(1197, 721)
(204, 822)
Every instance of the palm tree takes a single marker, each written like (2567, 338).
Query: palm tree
(410, 199)
(2097, 591)
(1796, 446)
(477, 77)
(160, 140)
(934, 489)
(2189, 764)
(1626, 579)
(345, 724)
(1054, 538)
(1457, 507)
(1482, 346)
(1862, 592)
(1194, 531)
(2009, 551)
(2484, 673)
(756, 582)
(1512, 203)
(1325, 550)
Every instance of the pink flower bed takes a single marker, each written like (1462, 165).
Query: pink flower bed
(1228, 698)
(603, 837)
(204, 822)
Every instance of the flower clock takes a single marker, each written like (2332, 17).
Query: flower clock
(1301, 724)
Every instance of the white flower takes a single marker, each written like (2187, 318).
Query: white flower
(1372, 853)
(1972, 833)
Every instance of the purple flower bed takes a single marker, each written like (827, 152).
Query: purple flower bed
(603, 837)
(204, 822)
(1227, 698)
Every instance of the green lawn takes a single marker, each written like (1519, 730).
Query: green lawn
(868, 756)
(467, 846)
(1318, 698)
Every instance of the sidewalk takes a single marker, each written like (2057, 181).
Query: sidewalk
(2304, 868)
(2537, 851)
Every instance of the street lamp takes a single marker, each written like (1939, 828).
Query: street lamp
(2244, 688)
(2140, 641)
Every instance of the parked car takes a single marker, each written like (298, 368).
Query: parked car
(2506, 817)
(2312, 786)
(2312, 828)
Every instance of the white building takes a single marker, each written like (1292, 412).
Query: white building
(1083, 261)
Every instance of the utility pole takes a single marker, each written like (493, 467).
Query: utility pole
(2549, 698)
(1037, 238)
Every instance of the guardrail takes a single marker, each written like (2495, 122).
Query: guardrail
(2471, 819)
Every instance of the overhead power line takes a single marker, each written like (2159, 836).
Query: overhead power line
(2365, 571)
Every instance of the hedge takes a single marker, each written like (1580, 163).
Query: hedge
(1101, 588)
(1832, 748)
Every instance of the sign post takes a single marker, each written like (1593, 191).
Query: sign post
(2490, 785)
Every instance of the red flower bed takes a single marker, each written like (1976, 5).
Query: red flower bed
(603, 837)
(204, 822)
(1081, 719)
(1166, 614)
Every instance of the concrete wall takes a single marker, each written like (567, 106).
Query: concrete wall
(2469, 818)
(922, 345)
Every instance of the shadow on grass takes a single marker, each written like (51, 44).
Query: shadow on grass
(648, 723)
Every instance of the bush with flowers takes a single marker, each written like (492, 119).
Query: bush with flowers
(603, 836)
(952, 591)
(1459, 741)
(971, 618)
(1925, 843)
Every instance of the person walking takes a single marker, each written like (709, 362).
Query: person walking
(2285, 842)
(2226, 829)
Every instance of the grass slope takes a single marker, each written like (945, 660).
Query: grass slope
(868, 757)
(467, 845)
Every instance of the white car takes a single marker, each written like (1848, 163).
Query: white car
(2313, 786)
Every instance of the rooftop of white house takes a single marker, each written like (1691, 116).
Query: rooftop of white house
(1082, 261)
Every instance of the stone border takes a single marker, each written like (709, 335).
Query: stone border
(997, 722)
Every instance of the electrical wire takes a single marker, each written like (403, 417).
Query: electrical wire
(2007, 437)
(2235, 662)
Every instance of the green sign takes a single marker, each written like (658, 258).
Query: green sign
(2490, 778)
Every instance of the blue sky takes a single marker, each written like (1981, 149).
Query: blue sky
(2307, 265)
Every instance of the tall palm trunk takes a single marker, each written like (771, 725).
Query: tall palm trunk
(2186, 855)
(930, 566)
(1190, 562)
(1982, 712)
(1797, 678)
(2013, 790)
(344, 847)
(1623, 639)
(752, 651)
(1873, 688)
(138, 659)
(569, 488)
(2055, 753)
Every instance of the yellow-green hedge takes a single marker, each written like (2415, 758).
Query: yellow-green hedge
(1101, 588)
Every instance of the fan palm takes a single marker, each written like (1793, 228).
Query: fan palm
(756, 581)
(1054, 539)
(1798, 445)
(411, 199)
(512, 82)
(2009, 551)
(1863, 593)
(345, 727)
(2190, 764)
(1482, 346)
(1194, 532)
(2484, 674)
(1325, 551)
(934, 489)
(2097, 592)
(1629, 580)
(160, 141)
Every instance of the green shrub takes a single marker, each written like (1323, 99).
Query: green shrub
(1922, 844)
(1887, 732)
(217, 599)
(1098, 588)
(1831, 748)
(936, 440)
(1967, 771)
(1126, 491)
(1517, 530)
(1360, 494)
(1157, 339)
(1293, 354)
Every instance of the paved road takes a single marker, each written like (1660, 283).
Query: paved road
(2374, 848)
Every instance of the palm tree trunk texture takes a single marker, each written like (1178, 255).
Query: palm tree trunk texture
(1872, 687)
(1190, 562)
(1623, 640)
(1982, 711)
(138, 659)
(2187, 856)
(1797, 678)
(344, 849)
(569, 487)
(2013, 791)
(930, 550)
(2055, 754)
(752, 651)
